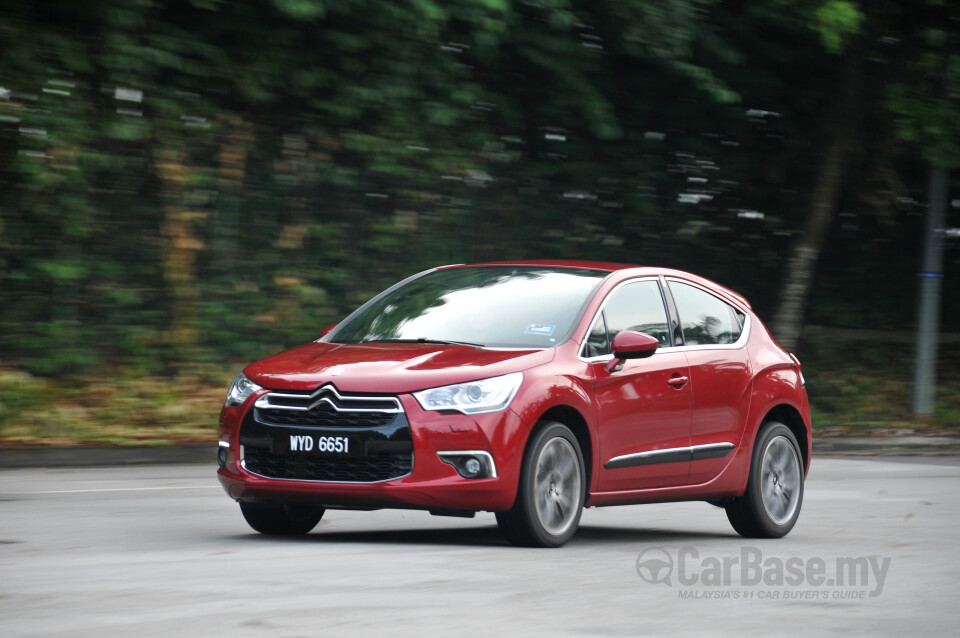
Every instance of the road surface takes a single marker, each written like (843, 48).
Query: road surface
(161, 551)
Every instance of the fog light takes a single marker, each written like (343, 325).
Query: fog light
(471, 467)
(470, 464)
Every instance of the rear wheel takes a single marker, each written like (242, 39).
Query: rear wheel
(551, 492)
(281, 519)
(771, 505)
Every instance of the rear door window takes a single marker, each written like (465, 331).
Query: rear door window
(704, 318)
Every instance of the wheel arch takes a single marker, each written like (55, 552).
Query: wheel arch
(574, 420)
(777, 393)
(790, 417)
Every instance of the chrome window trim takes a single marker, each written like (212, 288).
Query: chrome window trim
(603, 358)
(593, 320)
(448, 456)
(328, 388)
(650, 457)
(599, 358)
(736, 345)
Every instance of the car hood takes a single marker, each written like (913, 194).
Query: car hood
(387, 367)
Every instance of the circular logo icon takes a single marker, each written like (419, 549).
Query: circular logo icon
(655, 565)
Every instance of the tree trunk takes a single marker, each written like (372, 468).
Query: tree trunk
(842, 129)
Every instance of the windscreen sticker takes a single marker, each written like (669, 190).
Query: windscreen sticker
(540, 329)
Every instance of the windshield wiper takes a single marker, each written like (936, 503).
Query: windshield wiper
(444, 342)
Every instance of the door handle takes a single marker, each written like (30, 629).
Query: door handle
(678, 382)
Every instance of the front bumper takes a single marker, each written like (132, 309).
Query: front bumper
(431, 483)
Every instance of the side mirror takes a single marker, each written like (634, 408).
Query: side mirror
(631, 345)
(326, 331)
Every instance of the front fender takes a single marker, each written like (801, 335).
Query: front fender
(566, 392)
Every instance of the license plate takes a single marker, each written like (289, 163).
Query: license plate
(318, 444)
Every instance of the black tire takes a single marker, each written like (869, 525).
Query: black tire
(771, 504)
(550, 520)
(279, 519)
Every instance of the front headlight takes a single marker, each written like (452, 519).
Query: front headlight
(475, 397)
(240, 390)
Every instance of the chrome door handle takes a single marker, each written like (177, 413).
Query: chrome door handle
(678, 382)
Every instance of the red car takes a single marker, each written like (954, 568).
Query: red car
(528, 389)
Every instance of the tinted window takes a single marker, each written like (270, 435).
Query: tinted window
(639, 307)
(597, 343)
(704, 319)
(506, 306)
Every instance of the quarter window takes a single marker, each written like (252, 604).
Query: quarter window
(705, 319)
(597, 344)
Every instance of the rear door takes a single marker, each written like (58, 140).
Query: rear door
(714, 337)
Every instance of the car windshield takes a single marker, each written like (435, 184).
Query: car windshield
(498, 306)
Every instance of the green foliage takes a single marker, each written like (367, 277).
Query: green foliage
(837, 21)
(862, 378)
(131, 410)
(301, 9)
(188, 182)
(929, 122)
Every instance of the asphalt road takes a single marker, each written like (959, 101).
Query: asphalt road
(161, 551)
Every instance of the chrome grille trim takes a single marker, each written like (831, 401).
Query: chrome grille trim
(328, 394)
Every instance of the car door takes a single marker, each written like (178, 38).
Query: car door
(644, 407)
(714, 341)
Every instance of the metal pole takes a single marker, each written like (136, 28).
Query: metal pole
(928, 301)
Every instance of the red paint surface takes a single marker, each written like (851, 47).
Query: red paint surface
(728, 395)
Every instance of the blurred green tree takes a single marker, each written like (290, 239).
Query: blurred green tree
(191, 181)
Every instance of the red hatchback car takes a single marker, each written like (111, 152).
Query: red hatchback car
(528, 389)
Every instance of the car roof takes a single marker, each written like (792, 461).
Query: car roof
(610, 267)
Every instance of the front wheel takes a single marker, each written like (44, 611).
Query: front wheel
(771, 505)
(281, 519)
(551, 492)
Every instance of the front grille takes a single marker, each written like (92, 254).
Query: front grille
(327, 395)
(381, 467)
(323, 416)
(375, 422)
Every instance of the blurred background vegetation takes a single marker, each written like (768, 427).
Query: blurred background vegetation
(189, 185)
